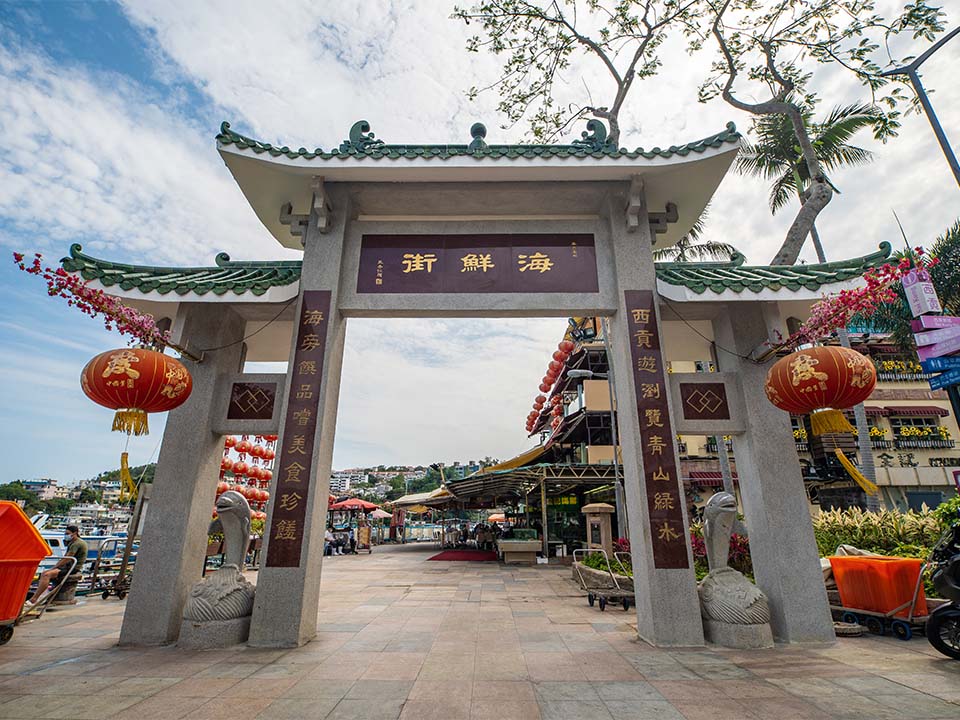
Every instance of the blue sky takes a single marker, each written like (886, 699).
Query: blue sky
(107, 117)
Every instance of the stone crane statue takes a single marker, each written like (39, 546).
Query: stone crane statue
(735, 611)
(225, 594)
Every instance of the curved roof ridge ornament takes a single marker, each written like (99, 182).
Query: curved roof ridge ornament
(360, 140)
(478, 131)
(594, 138)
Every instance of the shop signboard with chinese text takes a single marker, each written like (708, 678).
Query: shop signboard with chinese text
(921, 295)
(665, 503)
(517, 263)
(299, 428)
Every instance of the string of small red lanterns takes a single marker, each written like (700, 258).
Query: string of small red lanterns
(555, 369)
(251, 471)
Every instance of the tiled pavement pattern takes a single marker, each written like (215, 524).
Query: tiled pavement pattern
(401, 637)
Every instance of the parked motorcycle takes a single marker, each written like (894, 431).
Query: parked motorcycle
(943, 625)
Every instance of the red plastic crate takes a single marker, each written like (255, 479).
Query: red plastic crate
(879, 584)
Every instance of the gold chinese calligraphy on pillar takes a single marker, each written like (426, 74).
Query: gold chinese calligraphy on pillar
(289, 511)
(663, 486)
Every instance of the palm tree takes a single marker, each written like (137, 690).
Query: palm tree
(690, 248)
(775, 156)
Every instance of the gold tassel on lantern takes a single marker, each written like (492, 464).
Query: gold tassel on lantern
(131, 421)
(854, 472)
(128, 488)
(827, 421)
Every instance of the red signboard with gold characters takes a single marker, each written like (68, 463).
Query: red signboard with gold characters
(665, 503)
(292, 491)
(134, 382)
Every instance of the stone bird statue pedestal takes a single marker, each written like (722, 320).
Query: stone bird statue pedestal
(218, 608)
(735, 612)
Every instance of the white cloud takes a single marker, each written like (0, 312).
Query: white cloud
(135, 175)
(97, 159)
(417, 391)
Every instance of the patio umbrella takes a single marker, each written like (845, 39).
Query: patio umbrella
(379, 514)
(497, 518)
(354, 504)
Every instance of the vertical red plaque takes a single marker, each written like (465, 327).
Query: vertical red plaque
(665, 503)
(299, 430)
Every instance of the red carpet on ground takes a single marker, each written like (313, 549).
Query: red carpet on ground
(469, 555)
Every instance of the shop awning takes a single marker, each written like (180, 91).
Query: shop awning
(708, 478)
(917, 410)
(871, 411)
(439, 496)
(524, 458)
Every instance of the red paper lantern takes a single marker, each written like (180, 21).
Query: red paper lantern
(540, 399)
(237, 488)
(822, 381)
(240, 468)
(135, 382)
(269, 454)
(266, 475)
(544, 387)
(270, 438)
(229, 441)
(257, 451)
(556, 365)
(253, 473)
(226, 464)
(560, 356)
(222, 487)
(243, 447)
(567, 346)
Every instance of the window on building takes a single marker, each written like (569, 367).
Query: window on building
(913, 421)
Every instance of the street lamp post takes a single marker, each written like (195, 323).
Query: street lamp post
(911, 72)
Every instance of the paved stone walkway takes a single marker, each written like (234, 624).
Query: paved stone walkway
(405, 638)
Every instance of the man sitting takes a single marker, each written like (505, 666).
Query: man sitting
(76, 548)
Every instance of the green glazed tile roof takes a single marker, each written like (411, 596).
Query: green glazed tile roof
(363, 144)
(258, 277)
(227, 276)
(735, 276)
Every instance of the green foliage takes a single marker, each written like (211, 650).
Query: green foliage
(597, 561)
(16, 491)
(775, 46)
(89, 495)
(539, 42)
(775, 155)
(948, 513)
(885, 532)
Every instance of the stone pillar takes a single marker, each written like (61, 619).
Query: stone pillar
(784, 552)
(668, 607)
(171, 555)
(287, 600)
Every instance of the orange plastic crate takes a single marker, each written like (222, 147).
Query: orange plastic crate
(879, 584)
(21, 550)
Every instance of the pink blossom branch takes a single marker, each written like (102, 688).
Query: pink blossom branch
(835, 312)
(95, 303)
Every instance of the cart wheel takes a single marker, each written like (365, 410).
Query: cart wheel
(874, 625)
(121, 594)
(6, 632)
(105, 594)
(850, 617)
(902, 630)
(603, 604)
(591, 599)
(626, 604)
